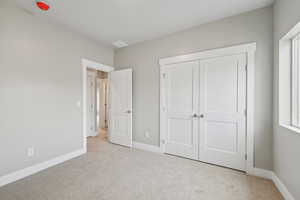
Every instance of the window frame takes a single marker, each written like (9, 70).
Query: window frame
(295, 81)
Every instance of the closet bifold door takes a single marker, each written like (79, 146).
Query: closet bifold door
(222, 110)
(181, 82)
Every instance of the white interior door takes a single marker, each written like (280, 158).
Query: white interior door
(91, 104)
(120, 108)
(222, 111)
(180, 92)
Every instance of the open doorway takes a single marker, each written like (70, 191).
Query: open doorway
(107, 106)
(97, 111)
(102, 103)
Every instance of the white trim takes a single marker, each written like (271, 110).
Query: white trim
(250, 108)
(20, 174)
(97, 66)
(267, 174)
(292, 33)
(282, 188)
(291, 128)
(295, 81)
(289, 107)
(92, 65)
(147, 147)
(244, 48)
(249, 49)
(162, 114)
(263, 173)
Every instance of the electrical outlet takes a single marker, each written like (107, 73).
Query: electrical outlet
(30, 152)
(147, 134)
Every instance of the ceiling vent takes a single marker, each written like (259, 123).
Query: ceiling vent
(120, 44)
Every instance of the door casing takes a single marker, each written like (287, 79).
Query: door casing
(249, 49)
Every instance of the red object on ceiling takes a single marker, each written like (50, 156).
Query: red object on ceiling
(42, 5)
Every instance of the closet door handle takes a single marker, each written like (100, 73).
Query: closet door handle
(197, 116)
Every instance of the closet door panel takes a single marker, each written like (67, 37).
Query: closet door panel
(181, 82)
(222, 107)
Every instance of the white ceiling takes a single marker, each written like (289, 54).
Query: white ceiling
(133, 21)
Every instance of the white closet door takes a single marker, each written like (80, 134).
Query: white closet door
(180, 104)
(222, 111)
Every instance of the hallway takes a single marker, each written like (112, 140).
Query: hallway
(99, 142)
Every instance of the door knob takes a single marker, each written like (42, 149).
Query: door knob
(128, 111)
(194, 116)
(201, 116)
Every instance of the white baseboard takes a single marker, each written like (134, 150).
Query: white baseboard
(263, 173)
(14, 176)
(282, 188)
(272, 176)
(146, 147)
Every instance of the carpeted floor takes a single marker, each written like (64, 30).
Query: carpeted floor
(112, 172)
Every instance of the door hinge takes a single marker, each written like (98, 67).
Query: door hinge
(246, 67)
(245, 112)
(246, 157)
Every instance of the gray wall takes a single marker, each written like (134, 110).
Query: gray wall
(40, 82)
(255, 26)
(286, 143)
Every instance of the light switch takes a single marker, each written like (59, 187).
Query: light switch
(30, 152)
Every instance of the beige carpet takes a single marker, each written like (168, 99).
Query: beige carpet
(113, 172)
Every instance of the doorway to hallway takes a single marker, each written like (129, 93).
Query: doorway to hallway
(107, 105)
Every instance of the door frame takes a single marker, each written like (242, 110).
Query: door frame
(249, 49)
(91, 65)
